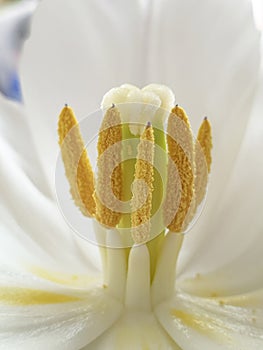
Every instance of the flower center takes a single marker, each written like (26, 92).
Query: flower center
(149, 185)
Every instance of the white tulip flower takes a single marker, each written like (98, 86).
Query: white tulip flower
(54, 292)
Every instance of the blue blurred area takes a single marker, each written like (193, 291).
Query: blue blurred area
(15, 20)
(14, 88)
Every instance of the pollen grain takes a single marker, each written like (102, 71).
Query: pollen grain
(141, 202)
(180, 183)
(77, 165)
(109, 181)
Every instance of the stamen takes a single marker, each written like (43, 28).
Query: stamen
(109, 183)
(138, 295)
(164, 279)
(180, 170)
(77, 165)
(203, 159)
(143, 187)
(116, 265)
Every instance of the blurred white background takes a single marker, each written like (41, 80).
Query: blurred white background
(14, 29)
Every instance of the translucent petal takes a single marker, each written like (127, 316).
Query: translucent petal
(243, 275)
(65, 325)
(17, 145)
(236, 224)
(91, 47)
(201, 323)
(134, 331)
(179, 43)
(258, 13)
(32, 228)
(213, 69)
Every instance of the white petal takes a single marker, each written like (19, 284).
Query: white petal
(61, 326)
(209, 57)
(241, 276)
(235, 224)
(33, 230)
(134, 331)
(17, 145)
(203, 50)
(82, 53)
(204, 53)
(199, 323)
(258, 13)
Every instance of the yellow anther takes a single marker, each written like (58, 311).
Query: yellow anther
(109, 181)
(203, 160)
(77, 165)
(181, 114)
(182, 131)
(180, 183)
(204, 138)
(143, 187)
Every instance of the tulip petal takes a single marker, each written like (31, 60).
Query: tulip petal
(33, 231)
(82, 53)
(209, 56)
(179, 43)
(65, 324)
(243, 275)
(235, 239)
(17, 145)
(203, 44)
(201, 323)
(134, 331)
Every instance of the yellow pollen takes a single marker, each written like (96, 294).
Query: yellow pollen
(203, 160)
(204, 138)
(143, 187)
(77, 165)
(180, 182)
(109, 181)
(180, 113)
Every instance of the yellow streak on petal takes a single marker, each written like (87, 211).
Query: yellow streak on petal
(203, 324)
(26, 296)
(143, 181)
(109, 169)
(77, 165)
(203, 159)
(62, 278)
(179, 198)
